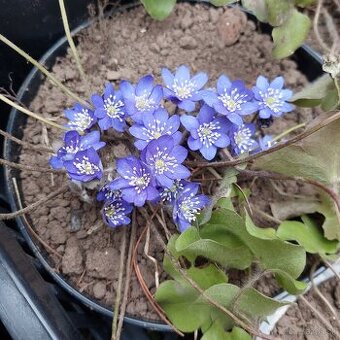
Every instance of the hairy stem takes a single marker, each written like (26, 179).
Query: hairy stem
(30, 113)
(276, 147)
(29, 167)
(119, 288)
(34, 205)
(288, 131)
(316, 27)
(25, 144)
(70, 40)
(43, 70)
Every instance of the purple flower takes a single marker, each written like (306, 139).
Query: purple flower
(106, 194)
(80, 118)
(136, 183)
(114, 213)
(182, 89)
(266, 142)
(85, 166)
(207, 133)
(241, 138)
(74, 142)
(272, 97)
(144, 98)
(155, 125)
(187, 205)
(110, 109)
(169, 195)
(164, 158)
(232, 99)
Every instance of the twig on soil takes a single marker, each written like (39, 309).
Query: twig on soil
(317, 314)
(29, 167)
(30, 228)
(329, 265)
(70, 40)
(119, 287)
(144, 287)
(274, 148)
(25, 144)
(43, 70)
(128, 274)
(31, 114)
(267, 216)
(152, 259)
(322, 44)
(33, 206)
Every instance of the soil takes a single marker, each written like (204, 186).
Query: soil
(195, 35)
(300, 323)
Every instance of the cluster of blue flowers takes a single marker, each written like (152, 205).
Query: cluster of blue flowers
(158, 173)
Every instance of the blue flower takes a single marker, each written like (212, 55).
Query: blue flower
(187, 206)
(155, 125)
(272, 97)
(80, 118)
(241, 138)
(110, 109)
(141, 99)
(85, 166)
(169, 195)
(266, 142)
(106, 194)
(207, 133)
(74, 142)
(232, 99)
(164, 158)
(182, 89)
(136, 183)
(114, 213)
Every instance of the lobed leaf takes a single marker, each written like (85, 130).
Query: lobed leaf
(159, 10)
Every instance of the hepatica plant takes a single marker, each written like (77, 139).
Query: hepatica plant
(167, 125)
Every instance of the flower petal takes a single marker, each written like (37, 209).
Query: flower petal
(208, 152)
(194, 144)
(97, 101)
(277, 83)
(168, 77)
(223, 84)
(223, 141)
(199, 80)
(189, 122)
(182, 73)
(128, 91)
(180, 152)
(206, 114)
(262, 83)
(187, 105)
(235, 118)
(144, 85)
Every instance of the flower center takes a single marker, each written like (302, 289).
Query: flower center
(184, 89)
(207, 134)
(114, 212)
(82, 120)
(189, 208)
(273, 99)
(243, 139)
(163, 162)
(233, 101)
(140, 182)
(85, 166)
(113, 107)
(144, 103)
(155, 130)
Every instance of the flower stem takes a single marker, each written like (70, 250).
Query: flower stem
(43, 70)
(30, 113)
(288, 131)
(70, 40)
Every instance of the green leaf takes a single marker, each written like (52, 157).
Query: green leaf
(159, 10)
(216, 332)
(207, 276)
(331, 101)
(278, 11)
(308, 235)
(304, 3)
(291, 285)
(222, 2)
(257, 7)
(317, 157)
(262, 233)
(312, 94)
(224, 248)
(291, 35)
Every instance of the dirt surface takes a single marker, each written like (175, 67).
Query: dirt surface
(112, 50)
(300, 323)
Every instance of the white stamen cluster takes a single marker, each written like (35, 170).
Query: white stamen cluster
(139, 179)
(162, 161)
(272, 99)
(233, 101)
(183, 90)
(207, 133)
(85, 167)
(113, 107)
(189, 207)
(144, 103)
(71, 148)
(243, 139)
(115, 212)
(155, 130)
(82, 120)
(168, 194)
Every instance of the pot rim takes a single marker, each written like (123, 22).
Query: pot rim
(60, 279)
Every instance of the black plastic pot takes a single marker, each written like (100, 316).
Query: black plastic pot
(309, 63)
